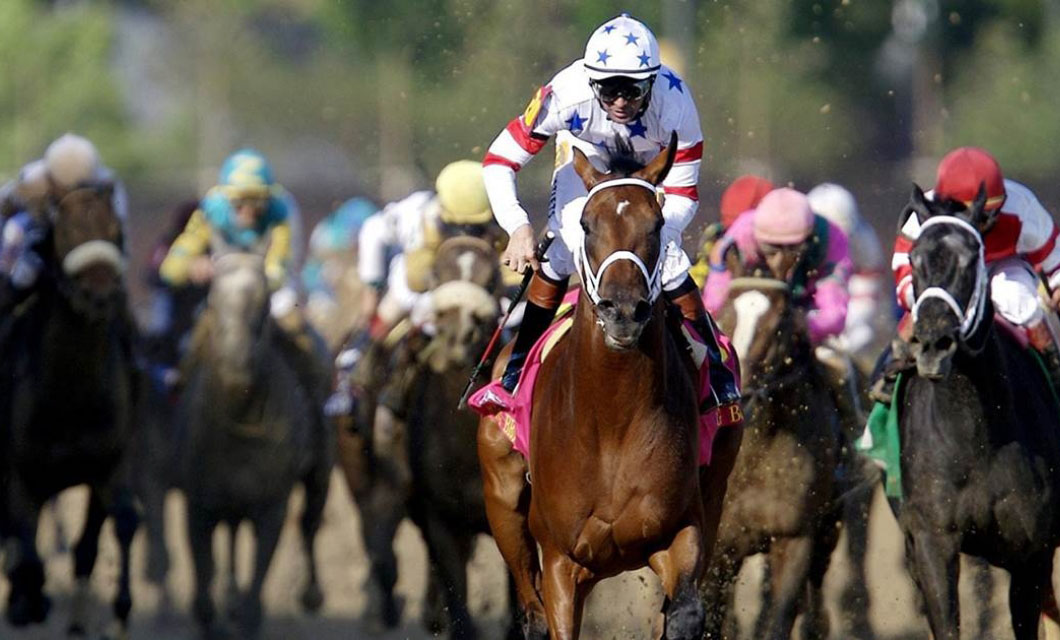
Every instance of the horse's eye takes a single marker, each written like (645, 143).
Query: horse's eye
(585, 227)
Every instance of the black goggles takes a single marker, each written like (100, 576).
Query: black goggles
(610, 90)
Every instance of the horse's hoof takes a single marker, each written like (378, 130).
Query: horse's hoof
(312, 598)
(685, 621)
(25, 610)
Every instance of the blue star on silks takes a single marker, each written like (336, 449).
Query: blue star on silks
(637, 128)
(575, 123)
(609, 28)
(602, 56)
(631, 39)
(675, 82)
(645, 59)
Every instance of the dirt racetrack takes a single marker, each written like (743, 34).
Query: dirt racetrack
(620, 608)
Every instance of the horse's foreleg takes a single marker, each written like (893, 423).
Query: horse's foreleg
(1026, 589)
(507, 499)
(200, 537)
(316, 494)
(854, 598)
(815, 621)
(933, 561)
(714, 482)
(126, 520)
(564, 586)
(718, 586)
(790, 561)
(26, 602)
(267, 529)
(679, 568)
(449, 552)
(85, 552)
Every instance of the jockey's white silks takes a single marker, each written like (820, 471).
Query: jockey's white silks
(591, 280)
(971, 315)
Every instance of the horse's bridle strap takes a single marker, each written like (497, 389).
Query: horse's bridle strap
(591, 279)
(972, 315)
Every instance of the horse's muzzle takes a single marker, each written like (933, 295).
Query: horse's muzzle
(934, 356)
(622, 322)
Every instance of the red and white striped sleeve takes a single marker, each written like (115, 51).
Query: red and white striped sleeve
(681, 183)
(1038, 232)
(903, 270)
(516, 144)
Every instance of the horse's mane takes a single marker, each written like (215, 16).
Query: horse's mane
(622, 160)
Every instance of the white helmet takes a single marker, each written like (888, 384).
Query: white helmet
(836, 204)
(622, 46)
(71, 160)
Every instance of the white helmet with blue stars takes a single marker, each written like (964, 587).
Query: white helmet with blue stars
(622, 46)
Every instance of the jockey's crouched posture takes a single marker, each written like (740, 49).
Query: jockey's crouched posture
(69, 162)
(812, 255)
(247, 211)
(620, 92)
(1020, 241)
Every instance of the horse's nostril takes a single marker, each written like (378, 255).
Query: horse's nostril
(642, 311)
(944, 343)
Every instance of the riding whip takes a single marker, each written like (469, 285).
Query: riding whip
(528, 273)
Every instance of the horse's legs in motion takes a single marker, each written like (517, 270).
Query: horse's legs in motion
(231, 579)
(815, 621)
(564, 594)
(790, 561)
(122, 508)
(200, 536)
(507, 498)
(855, 594)
(678, 568)
(381, 513)
(85, 552)
(1028, 586)
(267, 527)
(933, 561)
(316, 494)
(153, 495)
(26, 602)
(720, 581)
(714, 482)
(449, 554)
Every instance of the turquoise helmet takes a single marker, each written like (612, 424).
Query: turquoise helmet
(246, 173)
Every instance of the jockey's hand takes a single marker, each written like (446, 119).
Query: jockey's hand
(520, 250)
(200, 271)
(1054, 299)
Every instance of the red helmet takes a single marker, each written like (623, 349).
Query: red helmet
(963, 170)
(743, 194)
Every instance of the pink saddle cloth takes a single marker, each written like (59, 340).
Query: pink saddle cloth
(511, 411)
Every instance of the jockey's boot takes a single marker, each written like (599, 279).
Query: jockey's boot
(723, 383)
(895, 359)
(543, 297)
(1042, 340)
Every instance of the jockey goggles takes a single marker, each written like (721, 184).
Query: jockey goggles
(614, 88)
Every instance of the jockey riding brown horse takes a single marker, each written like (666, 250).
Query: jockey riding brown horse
(613, 445)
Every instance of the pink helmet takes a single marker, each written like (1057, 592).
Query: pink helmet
(783, 217)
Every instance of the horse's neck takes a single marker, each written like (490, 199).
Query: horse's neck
(613, 373)
(80, 343)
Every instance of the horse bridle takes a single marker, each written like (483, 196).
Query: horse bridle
(972, 314)
(591, 279)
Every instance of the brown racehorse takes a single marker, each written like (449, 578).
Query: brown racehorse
(614, 432)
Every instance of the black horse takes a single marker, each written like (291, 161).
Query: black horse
(979, 430)
(68, 404)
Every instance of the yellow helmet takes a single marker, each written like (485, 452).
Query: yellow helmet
(462, 193)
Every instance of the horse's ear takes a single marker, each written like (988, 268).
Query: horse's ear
(977, 215)
(656, 170)
(585, 169)
(733, 264)
(918, 205)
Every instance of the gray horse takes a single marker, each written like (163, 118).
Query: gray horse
(251, 435)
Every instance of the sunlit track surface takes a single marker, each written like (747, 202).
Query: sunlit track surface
(619, 609)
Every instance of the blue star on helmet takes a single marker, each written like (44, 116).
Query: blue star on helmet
(602, 56)
(637, 128)
(575, 123)
(631, 39)
(675, 82)
(645, 59)
(609, 28)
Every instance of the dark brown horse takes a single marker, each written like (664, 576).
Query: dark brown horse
(782, 495)
(613, 455)
(415, 464)
(68, 404)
